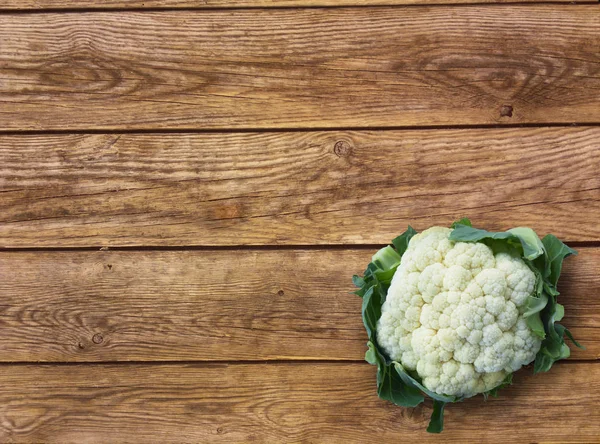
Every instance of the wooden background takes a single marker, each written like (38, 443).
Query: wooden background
(186, 188)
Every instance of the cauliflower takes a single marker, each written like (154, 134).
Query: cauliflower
(453, 312)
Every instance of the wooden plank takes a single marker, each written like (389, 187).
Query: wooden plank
(294, 188)
(21, 5)
(212, 305)
(305, 68)
(279, 403)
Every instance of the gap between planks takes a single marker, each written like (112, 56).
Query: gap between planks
(268, 130)
(316, 247)
(230, 362)
(199, 363)
(293, 5)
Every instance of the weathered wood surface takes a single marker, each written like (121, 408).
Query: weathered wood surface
(278, 403)
(213, 305)
(306, 68)
(334, 187)
(21, 5)
(263, 345)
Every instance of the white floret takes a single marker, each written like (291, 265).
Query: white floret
(453, 314)
(466, 353)
(508, 318)
(491, 335)
(520, 279)
(431, 281)
(456, 278)
(472, 257)
(440, 302)
(492, 282)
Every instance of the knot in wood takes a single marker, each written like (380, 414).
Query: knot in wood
(97, 338)
(342, 148)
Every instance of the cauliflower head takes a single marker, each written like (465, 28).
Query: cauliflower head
(454, 314)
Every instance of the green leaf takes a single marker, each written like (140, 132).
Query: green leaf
(358, 281)
(550, 289)
(464, 221)
(436, 423)
(539, 278)
(559, 312)
(533, 307)
(389, 385)
(553, 346)
(570, 336)
(565, 352)
(542, 363)
(524, 237)
(535, 304)
(371, 354)
(393, 389)
(401, 242)
(386, 258)
(556, 253)
(385, 276)
(532, 245)
(534, 322)
(371, 311)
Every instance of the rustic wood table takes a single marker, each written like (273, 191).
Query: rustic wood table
(186, 188)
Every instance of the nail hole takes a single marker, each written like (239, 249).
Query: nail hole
(506, 111)
(280, 293)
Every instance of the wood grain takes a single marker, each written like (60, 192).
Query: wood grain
(294, 188)
(307, 68)
(213, 305)
(106, 4)
(278, 403)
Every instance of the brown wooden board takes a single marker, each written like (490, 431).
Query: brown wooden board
(195, 4)
(279, 403)
(306, 68)
(213, 305)
(335, 187)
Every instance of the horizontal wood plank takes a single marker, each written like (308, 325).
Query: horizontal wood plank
(307, 68)
(279, 403)
(213, 305)
(294, 188)
(21, 5)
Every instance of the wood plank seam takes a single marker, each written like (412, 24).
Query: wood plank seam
(22, 8)
(268, 130)
(213, 248)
